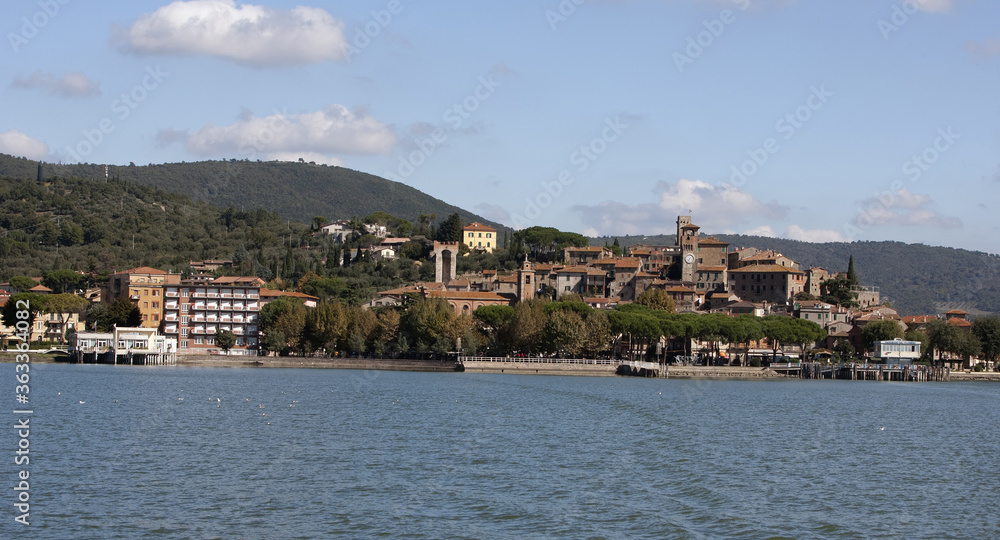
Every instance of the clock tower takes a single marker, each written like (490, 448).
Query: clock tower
(687, 241)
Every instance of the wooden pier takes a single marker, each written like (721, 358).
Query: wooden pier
(864, 372)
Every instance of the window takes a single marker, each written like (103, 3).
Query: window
(184, 292)
(480, 235)
(184, 332)
(199, 341)
(156, 292)
(145, 292)
(156, 305)
(184, 308)
(184, 343)
(184, 319)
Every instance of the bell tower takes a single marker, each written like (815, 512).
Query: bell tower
(687, 241)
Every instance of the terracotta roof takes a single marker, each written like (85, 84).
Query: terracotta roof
(956, 312)
(712, 268)
(239, 280)
(961, 323)
(629, 262)
(573, 270)
(690, 226)
(646, 275)
(145, 270)
(466, 295)
(393, 240)
(476, 226)
(271, 293)
(546, 267)
(507, 279)
(596, 272)
(678, 289)
(712, 241)
(766, 268)
(459, 283)
(588, 249)
(640, 251)
(40, 289)
(919, 319)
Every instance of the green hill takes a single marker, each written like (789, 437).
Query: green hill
(916, 279)
(297, 191)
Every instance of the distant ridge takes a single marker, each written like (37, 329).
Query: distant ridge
(297, 191)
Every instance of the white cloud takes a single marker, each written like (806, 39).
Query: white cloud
(819, 236)
(247, 33)
(320, 159)
(763, 230)
(714, 208)
(75, 84)
(986, 49)
(935, 6)
(334, 130)
(905, 209)
(15, 143)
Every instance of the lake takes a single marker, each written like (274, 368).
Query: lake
(175, 452)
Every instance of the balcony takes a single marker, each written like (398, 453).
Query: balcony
(172, 294)
(212, 306)
(170, 318)
(213, 295)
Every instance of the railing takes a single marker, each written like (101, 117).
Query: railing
(172, 294)
(540, 360)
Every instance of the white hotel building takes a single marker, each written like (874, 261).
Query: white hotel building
(194, 312)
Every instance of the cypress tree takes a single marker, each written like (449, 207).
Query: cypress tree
(852, 276)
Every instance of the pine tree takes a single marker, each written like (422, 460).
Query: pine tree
(852, 276)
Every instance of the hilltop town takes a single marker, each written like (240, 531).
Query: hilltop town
(563, 297)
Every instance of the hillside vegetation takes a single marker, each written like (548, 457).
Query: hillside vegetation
(916, 279)
(297, 191)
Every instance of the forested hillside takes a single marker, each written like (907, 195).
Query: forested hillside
(297, 191)
(915, 278)
(102, 227)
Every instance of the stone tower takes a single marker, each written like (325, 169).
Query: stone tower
(525, 281)
(445, 261)
(687, 241)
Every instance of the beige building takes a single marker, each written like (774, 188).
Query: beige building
(144, 286)
(479, 237)
(767, 283)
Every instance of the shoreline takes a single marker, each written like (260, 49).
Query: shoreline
(447, 366)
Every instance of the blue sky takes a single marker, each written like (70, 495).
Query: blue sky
(819, 121)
